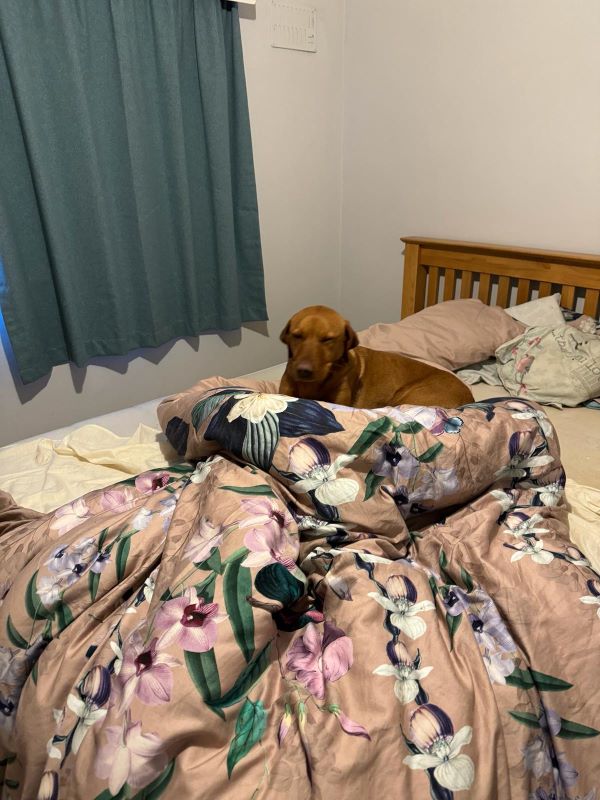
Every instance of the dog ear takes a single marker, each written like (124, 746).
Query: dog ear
(285, 333)
(351, 339)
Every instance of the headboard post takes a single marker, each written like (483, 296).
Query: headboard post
(415, 281)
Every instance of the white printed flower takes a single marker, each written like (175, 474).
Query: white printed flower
(255, 407)
(69, 516)
(404, 670)
(506, 499)
(550, 494)
(539, 416)
(204, 540)
(432, 732)
(592, 599)
(88, 714)
(520, 525)
(329, 489)
(401, 601)
(534, 549)
(142, 519)
(203, 469)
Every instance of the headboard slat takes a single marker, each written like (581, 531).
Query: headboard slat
(466, 285)
(523, 290)
(567, 297)
(449, 284)
(503, 296)
(591, 303)
(484, 287)
(433, 286)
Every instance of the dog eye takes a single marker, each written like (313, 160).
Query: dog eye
(296, 336)
(328, 339)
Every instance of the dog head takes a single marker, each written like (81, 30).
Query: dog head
(318, 340)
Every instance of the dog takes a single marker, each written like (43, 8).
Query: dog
(325, 362)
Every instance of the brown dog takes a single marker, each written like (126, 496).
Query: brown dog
(326, 363)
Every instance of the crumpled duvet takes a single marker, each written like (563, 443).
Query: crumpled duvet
(332, 601)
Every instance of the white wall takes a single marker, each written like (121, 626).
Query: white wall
(468, 119)
(295, 103)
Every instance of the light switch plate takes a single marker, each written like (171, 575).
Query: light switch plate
(294, 26)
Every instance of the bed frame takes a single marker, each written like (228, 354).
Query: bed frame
(439, 269)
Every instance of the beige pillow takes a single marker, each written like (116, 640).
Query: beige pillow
(453, 334)
(543, 311)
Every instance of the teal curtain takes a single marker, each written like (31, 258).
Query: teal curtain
(128, 213)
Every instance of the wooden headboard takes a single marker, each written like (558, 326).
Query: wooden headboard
(438, 269)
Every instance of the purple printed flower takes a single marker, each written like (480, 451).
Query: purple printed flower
(69, 516)
(205, 538)
(129, 756)
(146, 672)
(397, 463)
(456, 601)
(401, 600)
(150, 482)
(489, 629)
(432, 732)
(94, 691)
(189, 622)
(285, 724)
(536, 756)
(320, 659)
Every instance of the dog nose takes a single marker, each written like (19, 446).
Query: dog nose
(304, 372)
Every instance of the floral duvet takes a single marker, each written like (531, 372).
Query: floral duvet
(323, 602)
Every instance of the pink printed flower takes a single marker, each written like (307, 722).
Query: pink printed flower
(348, 725)
(145, 672)
(319, 659)
(189, 622)
(149, 482)
(269, 539)
(204, 540)
(129, 756)
(270, 547)
(69, 516)
(118, 499)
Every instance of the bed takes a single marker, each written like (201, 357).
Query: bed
(293, 596)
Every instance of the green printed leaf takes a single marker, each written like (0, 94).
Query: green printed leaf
(466, 579)
(33, 605)
(212, 563)
(431, 453)
(122, 555)
(249, 729)
(373, 431)
(206, 589)
(443, 559)
(203, 671)
(108, 795)
(155, 789)
(372, 483)
(433, 585)
(102, 538)
(245, 681)
(573, 730)
(93, 581)
(204, 408)
(528, 678)
(182, 469)
(14, 635)
(263, 489)
(64, 617)
(409, 427)
(526, 718)
(34, 673)
(278, 583)
(237, 587)
(453, 624)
